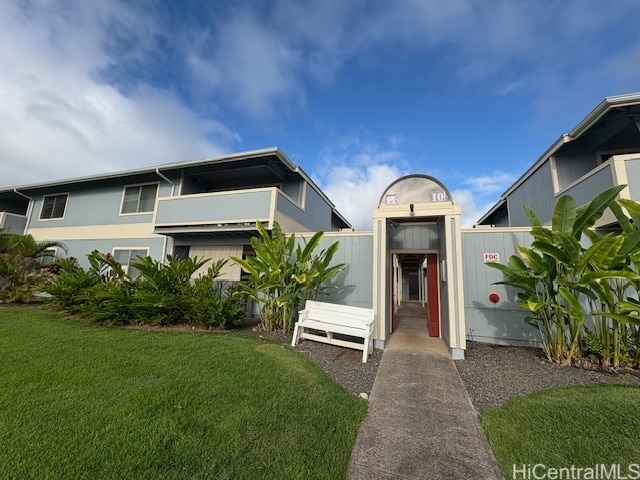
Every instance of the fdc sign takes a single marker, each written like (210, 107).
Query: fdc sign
(491, 257)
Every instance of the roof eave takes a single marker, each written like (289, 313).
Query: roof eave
(492, 210)
(162, 167)
(592, 117)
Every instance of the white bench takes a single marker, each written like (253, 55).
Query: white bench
(331, 318)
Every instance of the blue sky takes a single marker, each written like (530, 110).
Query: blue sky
(356, 92)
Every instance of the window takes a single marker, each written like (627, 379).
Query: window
(125, 256)
(139, 198)
(53, 206)
(49, 256)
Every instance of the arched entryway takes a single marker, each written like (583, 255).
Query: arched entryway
(417, 260)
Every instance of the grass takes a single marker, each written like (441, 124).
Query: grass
(561, 427)
(84, 401)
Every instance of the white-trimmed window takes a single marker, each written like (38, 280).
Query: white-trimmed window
(125, 256)
(53, 206)
(51, 255)
(139, 198)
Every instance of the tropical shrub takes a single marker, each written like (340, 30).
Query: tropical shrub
(162, 291)
(283, 274)
(161, 294)
(67, 288)
(21, 266)
(583, 300)
(215, 303)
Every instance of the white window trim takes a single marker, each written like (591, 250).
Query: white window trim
(53, 257)
(64, 214)
(126, 267)
(155, 203)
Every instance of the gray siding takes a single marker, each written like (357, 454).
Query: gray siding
(354, 285)
(294, 212)
(537, 192)
(504, 321)
(591, 186)
(413, 237)
(633, 178)
(81, 248)
(574, 164)
(293, 188)
(215, 208)
(93, 205)
(316, 214)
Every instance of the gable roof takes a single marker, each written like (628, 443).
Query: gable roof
(592, 118)
(158, 169)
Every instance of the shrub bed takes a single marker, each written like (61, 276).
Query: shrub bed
(159, 293)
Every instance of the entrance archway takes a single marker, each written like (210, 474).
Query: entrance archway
(417, 258)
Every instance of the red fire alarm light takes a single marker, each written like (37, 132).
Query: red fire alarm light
(494, 298)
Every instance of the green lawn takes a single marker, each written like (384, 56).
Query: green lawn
(561, 427)
(84, 401)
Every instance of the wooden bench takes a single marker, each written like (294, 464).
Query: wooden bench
(331, 318)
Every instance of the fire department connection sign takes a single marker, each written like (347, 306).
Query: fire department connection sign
(491, 257)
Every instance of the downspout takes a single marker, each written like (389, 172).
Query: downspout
(173, 186)
(29, 208)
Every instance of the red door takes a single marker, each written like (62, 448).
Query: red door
(433, 299)
(393, 304)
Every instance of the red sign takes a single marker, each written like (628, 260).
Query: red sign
(491, 257)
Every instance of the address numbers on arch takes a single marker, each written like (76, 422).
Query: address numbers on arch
(437, 196)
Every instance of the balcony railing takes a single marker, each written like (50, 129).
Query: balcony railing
(233, 210)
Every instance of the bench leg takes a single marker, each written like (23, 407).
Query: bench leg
(365, 350)
(296, 333)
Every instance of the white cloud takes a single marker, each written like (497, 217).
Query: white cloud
(497, 182)
(58, 119)
(265, 59)
(251, 63)
(356, 190)
(355, 172)
(468, 201)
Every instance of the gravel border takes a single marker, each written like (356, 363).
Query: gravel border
(495, 374)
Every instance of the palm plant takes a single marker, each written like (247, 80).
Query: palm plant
(558, 276)
(283, 274)
(21, 263)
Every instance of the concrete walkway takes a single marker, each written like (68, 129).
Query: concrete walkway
(421, 423)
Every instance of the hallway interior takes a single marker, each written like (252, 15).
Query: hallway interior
(411, 333)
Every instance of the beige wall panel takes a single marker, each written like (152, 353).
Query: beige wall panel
(231, 271)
